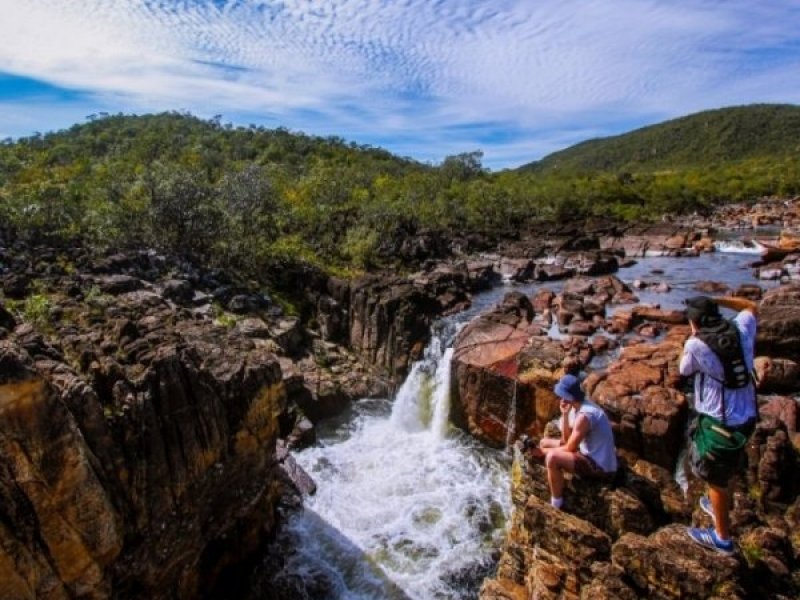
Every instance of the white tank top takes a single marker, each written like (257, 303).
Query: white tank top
(599, 442)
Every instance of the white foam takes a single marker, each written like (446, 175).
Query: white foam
(739, 247)
(405, 500)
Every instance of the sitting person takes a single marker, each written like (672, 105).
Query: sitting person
(586, 446)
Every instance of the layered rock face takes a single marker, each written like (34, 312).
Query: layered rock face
(491, 399)
(143, 479)
(138, 425)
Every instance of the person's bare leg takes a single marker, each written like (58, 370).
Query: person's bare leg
(720, 504)
(558, 461)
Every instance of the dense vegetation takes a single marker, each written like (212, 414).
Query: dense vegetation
(247, 197)
(710, 137)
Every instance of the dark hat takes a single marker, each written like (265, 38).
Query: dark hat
(569, 388)
(701, 309)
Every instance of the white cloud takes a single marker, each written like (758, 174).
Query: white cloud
(413, 69)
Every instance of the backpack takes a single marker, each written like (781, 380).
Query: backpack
(724, 341)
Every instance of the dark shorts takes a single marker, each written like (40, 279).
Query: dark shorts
(586, 467)
(718, 471)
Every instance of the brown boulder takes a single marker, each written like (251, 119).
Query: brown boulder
(779, 323)
(637, 392)
(485, 367)
(783, 409)
(777, 375)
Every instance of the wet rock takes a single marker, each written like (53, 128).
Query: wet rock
(652, 240)
(712, 288)
(482, 275)
(658, 315)
(552, 272)
(390, 322)
(298, 476)
(517, 269)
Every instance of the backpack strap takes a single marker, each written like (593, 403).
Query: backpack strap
(722, 394)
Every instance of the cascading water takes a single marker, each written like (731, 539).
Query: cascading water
(407, 507)
(511, 422)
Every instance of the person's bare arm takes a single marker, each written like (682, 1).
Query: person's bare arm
(566, 430)
(737, 303)
(579, 432)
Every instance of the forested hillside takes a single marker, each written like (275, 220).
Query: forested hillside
(247, 198)
(707, 138)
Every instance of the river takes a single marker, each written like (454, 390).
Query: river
(408, 507)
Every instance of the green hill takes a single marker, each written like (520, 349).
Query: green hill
(251, 198)
(710, 137)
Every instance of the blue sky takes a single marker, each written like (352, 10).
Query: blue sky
(516, 79)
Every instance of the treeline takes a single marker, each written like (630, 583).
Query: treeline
(248, 197)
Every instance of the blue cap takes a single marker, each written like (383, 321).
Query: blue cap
(569, 388)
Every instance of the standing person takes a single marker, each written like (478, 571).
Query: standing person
(720, 355)
(586, 446)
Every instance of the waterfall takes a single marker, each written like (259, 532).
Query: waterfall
(511, 421)
(407, 507)
(441, 396)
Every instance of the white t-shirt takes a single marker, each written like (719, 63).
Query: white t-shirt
(599, 441)
(740, 404)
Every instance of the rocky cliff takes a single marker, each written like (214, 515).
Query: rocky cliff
(144, 479)
(626, 539)
(141, 401)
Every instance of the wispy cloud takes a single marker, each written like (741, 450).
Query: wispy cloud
(422, 77)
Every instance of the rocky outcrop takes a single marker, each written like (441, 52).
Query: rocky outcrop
(390, 323)
(138, 427)
(779, 323)
(134, 482)
(485, 367)
(653, 240)
(638, 392)
(627, 539)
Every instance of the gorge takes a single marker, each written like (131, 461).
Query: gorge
(147, 407)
